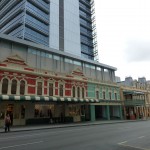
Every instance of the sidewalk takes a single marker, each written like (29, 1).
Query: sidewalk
(53, 126)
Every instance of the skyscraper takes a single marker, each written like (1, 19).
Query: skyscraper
(66, 25)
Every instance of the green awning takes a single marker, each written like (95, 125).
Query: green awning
(125, 92)
(53, 99)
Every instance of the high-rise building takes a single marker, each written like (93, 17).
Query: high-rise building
(66, 25)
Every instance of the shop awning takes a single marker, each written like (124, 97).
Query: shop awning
(125, 92)
(52, 99)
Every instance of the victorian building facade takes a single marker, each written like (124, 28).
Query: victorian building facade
(38, 85)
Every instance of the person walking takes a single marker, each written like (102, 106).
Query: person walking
(7, 123)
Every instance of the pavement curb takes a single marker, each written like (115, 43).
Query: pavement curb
(29, 128)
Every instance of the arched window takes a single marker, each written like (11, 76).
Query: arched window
(61, 90)
(78, 92)
(14, 86)
(110, 95)
(73, 92)
(103, 95)
(82, 92)
(97, 94)
(50, 89)
(39, 88)
(22, 87)
(115, 96)
(4, 86)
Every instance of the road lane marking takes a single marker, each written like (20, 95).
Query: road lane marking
(141, 137)
(133, 147)
(19, 145)
(122, 142)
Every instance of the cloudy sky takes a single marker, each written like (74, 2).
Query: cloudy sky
(123, 28)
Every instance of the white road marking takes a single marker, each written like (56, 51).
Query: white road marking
(141, 148)
(141, 137)
(36, 134)
(122, 142)
(19, 145)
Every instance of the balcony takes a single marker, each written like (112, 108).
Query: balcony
(42, 5)
(133, 102)
(41, 17)
(11, 14)
(8, 7)
(85, 2)
(84, 8)
(37, 27)
(13, 24)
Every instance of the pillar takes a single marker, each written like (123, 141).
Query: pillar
(108, 112)
(120, 112)
(92, 112)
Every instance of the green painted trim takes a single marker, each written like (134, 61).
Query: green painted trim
(92, 112)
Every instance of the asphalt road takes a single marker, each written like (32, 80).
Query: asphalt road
(119, 136)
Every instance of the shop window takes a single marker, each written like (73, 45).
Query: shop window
(82, 92)
(78, 92)
(4, 86)
(22, 87)
(97, 94)
(50, 89)
(14, 86)
(61, 90)
(110, 95)
(103, 95)
(115, 96)
(39, 88)
(73, 92)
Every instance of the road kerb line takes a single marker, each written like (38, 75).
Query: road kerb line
(141, 137)
(140, 148)
(122, 142)
(6, 147)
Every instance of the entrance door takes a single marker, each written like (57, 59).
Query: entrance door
(9, 111)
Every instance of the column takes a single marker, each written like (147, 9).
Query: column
(108, 112)
(120, 112)
(92, 112)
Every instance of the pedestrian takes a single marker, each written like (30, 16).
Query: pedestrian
(7, 123)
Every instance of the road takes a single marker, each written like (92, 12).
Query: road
(119, 136)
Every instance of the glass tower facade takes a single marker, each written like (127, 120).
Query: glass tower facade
(26, 19)
(66, 25)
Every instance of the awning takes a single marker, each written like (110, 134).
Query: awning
(125, 92)
(53, 99)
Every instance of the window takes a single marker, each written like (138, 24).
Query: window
(103, 95)
(50, 89)
(110, 95)
(78, 92)
(73, 92)
(61, 90)
(39, 88)
(97, 94)
(115, 96)
(14, 86)
(82, 92)
(22, 87)
(4, 86)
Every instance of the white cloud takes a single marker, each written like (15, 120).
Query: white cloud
(123, 28)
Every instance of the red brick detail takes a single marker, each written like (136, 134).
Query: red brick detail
(56, 91)
(31, 81)
(3, 65)
(56, 84)
(69, 76)
(45, 83)
(45, 91)
(68, 93)
(28, 69)
(31, 90)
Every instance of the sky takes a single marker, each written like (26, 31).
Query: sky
(123, 35)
